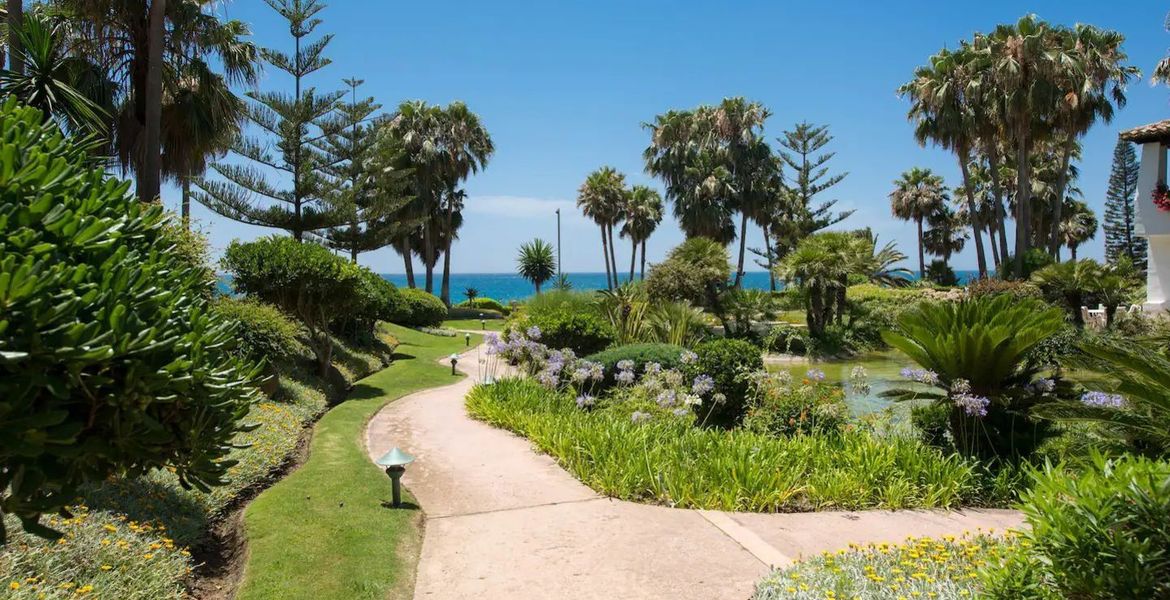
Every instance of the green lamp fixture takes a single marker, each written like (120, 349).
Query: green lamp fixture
(395, 462)
(467, 338)
(454, 361)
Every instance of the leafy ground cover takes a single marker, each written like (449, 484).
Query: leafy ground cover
(675, 463)
(475, 325)
(323, 532)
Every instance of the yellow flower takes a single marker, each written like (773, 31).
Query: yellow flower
(148, 556)
(15, 585)
(85, 589)
(106, 567)
(109, 528)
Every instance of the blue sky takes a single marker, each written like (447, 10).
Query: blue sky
(564, 88)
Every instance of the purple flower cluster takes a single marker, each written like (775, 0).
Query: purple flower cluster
(585, 401)
(974, 406)
(815, 375)
(533, 333)
(1103, 400)
(688, 357)
(666, 398)
(640, 417)
(703, 385)
(652, 368)
(1044, 386)
(920, 375)
(625, 374)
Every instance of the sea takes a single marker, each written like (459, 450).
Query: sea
(506, 287)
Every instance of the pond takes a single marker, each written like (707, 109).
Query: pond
(882, 373)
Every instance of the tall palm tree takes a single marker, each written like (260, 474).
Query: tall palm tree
(947, 235)
(917, 194)
(1091, 82)
(15, 23)
(738, 125)
(537, 262)
(420, 128)
(643, 214)
(467, 147)
(1079, 225)
(942, 112)
(602, 198)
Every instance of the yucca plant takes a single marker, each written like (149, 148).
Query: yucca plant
(677, 323)
(974, 354)
(625, 308)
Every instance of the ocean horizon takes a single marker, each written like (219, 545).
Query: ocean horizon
(507, 287)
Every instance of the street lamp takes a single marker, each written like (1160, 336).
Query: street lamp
(454, 361)
(482, 322)
(467, 338)
(395, 462)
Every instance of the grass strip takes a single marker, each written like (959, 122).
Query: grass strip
(323, 531)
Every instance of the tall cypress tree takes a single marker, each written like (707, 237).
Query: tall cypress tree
(292, 124)
(1119, 208)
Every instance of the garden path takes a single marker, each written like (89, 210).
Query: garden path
(503, 521)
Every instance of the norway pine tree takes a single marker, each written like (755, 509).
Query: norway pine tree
(1119, 209)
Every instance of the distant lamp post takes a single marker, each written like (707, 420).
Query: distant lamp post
(482, 322)
(395, 462)
(467, 338)
(454, 361)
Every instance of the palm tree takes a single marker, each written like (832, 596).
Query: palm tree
(419, 126)
(1078, 226)
(468, 146)
(602, 198)
(643, 214)
(15, 23)
(537, 262)
(947, 234)
(918, 194)
(942, 114)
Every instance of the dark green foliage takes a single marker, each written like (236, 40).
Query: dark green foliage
(110, 359)
(376, 300)
(421, 309)
(484, 302)
(667, 355)
(1120, 214)
(932, 421)
(263, 332)
(1034, 260)
(992, 287)
(304, 280)
(728, 362)
(942, 274)
(979, 348)
(1098, 534)
(778, 406)
(583, 333)
(695, 271)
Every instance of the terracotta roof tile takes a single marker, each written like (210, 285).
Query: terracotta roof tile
(1153, 132)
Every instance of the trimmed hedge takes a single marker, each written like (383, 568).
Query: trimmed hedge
(485, 303)
(582, 333)
(421, 309)
(667, 355)
(263, 333)
(727, 362)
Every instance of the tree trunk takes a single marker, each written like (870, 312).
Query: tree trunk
(921, 254)
(768, 258)
(992, 242)
(445, 290)
(185, 210)
(633, 257)
(997, 191)
(1023, 203)
(15, 23)
(149, 179)
(976, 229)
(643, 275)
(429, 256)
(742, 248)
(613, 256)
(407, 262)
(605, 257)
(1054, 242)
(1072, 249)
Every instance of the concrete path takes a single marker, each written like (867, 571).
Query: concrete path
(505, 522)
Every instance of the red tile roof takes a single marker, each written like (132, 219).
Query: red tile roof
(1153, 132)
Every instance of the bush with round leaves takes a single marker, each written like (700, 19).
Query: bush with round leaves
(376, 300)
(583, 333)
(666, 355)
(306, 281)
(730, 363)
(111, 361)
(264, 333)
(422, 309)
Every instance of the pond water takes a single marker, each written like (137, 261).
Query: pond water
(882, 373)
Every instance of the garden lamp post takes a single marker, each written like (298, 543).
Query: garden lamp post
(395, 462)
(467, 338)
(482, 322)
(454, 361)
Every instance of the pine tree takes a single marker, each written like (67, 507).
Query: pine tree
(1119, 208)
(291, 123)
(369, 191)
(810, 177)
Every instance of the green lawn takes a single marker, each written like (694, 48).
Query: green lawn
(474, 324)
(323, 531)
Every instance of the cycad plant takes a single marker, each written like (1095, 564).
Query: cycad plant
(537, 262)
(974, 353)
(677, 323)
(625, 307)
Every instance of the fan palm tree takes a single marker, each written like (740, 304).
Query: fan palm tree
(1078, 226)
(947, 234)
(419, 126)
(602, 198)
(467, 146)
(917, 194)
(643, 214)
(537, 262)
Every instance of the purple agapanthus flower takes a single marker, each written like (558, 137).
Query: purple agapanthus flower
(920, 375)
(1103, 400)
(533, 333)
(626, 365)
(585, 401)
(652, 368)
(974, 406)
(666, 398)
(548, 378)
(815, 375)
(640, 417)
(625, 377)
(703, 385)
(688, 357)
(1044, 385)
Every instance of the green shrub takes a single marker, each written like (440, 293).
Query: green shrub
(110, 361)
(940, 273)
(375, 300)
(263, 333)
(991, 287)
(670, 461)
(1098, 534)
(667, 355)
(728, 362)
(422, 309)
(694, 271)
(560, 302)
(583, 333)
(777, 405)
(1034, 260)
(304, 280)
(459, 313)
(485, 303)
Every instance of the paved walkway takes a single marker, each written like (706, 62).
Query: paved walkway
(505, 522)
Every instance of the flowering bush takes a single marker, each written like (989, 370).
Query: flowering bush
(781, 406)
(730, 363)
(1161, 196)
(947, 568)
